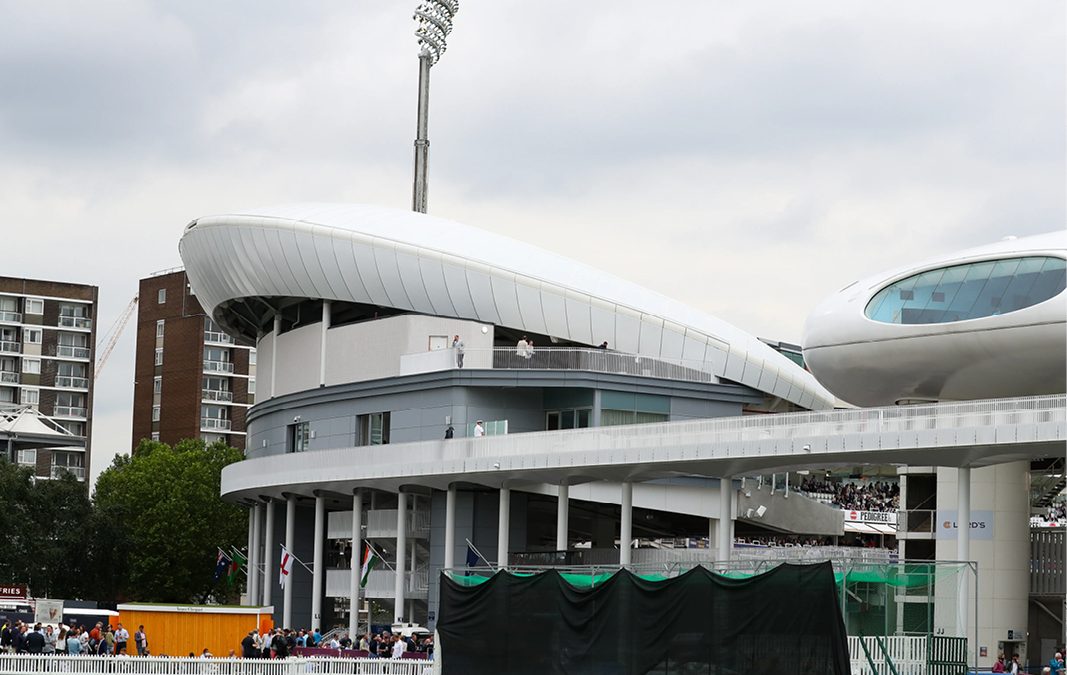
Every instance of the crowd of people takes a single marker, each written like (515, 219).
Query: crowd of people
(808, 541)
(20, 637)
(1056, 513)
(870, 496)
(281, 643)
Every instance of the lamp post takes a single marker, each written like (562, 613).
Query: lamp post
(434, 19)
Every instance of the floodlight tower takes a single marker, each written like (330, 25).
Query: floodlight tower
(434, 18)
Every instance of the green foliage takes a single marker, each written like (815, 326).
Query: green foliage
(44, 531)
(151, 532)
(160, 521)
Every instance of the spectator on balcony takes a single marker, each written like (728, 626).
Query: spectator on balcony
(449, 432)
(458, 345)
(602, 345)
(520, 351)
(479, 429)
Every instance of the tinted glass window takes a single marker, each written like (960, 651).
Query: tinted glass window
(969, 291)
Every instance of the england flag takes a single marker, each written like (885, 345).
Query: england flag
(285, 566)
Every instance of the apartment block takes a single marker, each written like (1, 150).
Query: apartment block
(47, 356)
(191, 380)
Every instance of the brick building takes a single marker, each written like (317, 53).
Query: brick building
(47, 356)
(190, 379)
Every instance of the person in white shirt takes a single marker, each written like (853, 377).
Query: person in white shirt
(398, 648)
(479, 430)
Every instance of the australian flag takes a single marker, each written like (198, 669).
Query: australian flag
(222, 564)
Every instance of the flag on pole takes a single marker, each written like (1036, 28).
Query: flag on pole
(238, 560)
(370, 559)
(222, 564)
(285, 566)
(472, 556)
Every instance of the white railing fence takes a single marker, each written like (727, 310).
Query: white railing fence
(24, 664)
(908, 654)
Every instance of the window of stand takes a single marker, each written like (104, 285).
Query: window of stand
(373, 429)
(568, 419)
(299, 437)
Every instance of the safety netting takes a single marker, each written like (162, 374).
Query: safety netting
(784, 621)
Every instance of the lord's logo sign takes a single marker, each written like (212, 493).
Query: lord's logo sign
(948, 527)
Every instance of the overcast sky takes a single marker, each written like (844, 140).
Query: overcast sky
(746, 158)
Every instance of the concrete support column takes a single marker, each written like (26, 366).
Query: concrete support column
(626, 524)
(319, 569)
(254, 560)
(248, 549)
(963, 541)
(598, 406)
(503, 531)
(563, 511)
(322, 351)
(726, 528)
(401, 553)
(290, 542)
(274, 355)
(357, 563)
(268, 553)
(450, 527)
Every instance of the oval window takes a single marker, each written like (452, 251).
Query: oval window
(969, 291)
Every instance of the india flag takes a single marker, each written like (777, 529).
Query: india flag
(370, 559)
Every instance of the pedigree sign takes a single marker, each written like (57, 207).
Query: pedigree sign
(981, 525)
(883, 517)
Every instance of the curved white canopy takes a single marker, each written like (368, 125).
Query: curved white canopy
(420, 263)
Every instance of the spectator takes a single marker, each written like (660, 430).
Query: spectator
(398, 647)
(140, 639)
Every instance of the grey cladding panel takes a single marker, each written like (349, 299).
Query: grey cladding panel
(507, 303)
(458, 292)
(411, 277)
(385, 259)
(482, 294)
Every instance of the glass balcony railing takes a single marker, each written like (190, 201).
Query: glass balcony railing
(216, 395)
(218, 366)
(217, 337)
(11, 317)
(69, 411)
(7, 377)
(76, 471)
(75, 322)
(10, 347)
(72, 352)
(212, 423)
(72, 382)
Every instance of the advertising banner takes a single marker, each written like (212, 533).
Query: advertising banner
(49, 611)
(981, 524)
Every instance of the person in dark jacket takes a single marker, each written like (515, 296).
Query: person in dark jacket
(248, 645)
(35, 640)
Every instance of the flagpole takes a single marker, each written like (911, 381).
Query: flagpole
(380, 557)
(479, 554)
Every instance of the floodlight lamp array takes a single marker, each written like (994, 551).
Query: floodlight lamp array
(434, 19)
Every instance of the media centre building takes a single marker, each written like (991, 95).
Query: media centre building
(431, 389)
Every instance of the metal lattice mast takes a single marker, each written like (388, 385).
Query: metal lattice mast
(434, 19)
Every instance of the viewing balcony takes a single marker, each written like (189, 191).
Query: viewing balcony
(75, 322)
(10, 347)
(217, 337)
(72, 382)
(8, 377)
(214, 424)
(216, 395)
(76, 471)
(218, 366)
(72, 352)
(69, 411)
(555, 358)
(380, 584)
(10, 317)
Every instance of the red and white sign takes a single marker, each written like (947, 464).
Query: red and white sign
(14, 591)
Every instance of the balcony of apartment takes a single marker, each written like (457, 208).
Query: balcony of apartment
(72, 352)
(69, 411)
(554, 358)
(76, 471)
(214, 424)
(217, 337)
(8, 377)
(10, 347)
(10, 317)
(72, 382)
(216, 395)
(218, 366)
(78, 322)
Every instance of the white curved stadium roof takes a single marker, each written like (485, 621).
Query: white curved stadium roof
(419, 263)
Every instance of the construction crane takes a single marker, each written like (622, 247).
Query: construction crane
(111, 337)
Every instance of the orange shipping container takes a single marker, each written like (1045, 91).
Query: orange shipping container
(178, 630)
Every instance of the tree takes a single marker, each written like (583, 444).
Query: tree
(159, 522)
(44, 530)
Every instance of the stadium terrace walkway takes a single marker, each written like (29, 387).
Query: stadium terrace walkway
(967, 434)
